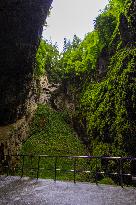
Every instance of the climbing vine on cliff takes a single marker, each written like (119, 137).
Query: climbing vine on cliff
(106, 104)
(100, 73)
(96, 93)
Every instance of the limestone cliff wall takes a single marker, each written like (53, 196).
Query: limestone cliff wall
(21, 25)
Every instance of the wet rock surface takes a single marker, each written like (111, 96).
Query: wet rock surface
(26, 191)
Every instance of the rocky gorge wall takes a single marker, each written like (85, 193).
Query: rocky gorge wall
(21, 24)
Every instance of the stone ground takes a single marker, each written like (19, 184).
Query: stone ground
(26, 191)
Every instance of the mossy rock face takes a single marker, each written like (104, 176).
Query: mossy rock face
(21, 25)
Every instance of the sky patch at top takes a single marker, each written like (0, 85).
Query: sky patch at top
(69, 17)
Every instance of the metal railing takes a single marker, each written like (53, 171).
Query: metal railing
(10, 165)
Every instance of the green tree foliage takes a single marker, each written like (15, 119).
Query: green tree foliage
(108, 106)
(105, 106)
(67, 44)
(81, 57)
(105, 25)
(79, 61)
(47, 60)
(40, 59)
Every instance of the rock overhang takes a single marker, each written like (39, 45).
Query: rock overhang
(21, 25)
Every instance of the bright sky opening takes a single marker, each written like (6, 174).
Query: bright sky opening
(69, 17)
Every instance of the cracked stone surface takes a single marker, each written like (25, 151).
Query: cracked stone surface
(26, 191)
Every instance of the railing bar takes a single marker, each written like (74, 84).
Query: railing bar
(22, 172)
(93, 157)
(55, 177)
(115, 174)
(74, 170)
(120, 172)
(96, 172)
(38, 168)
(120, 161)
(31, 162)
(8, 168)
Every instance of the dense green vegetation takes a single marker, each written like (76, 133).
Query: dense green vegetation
(106, 103)
(47, 60)
(100, 73)
(52, 135)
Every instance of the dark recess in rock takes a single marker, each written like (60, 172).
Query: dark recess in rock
(21, 24)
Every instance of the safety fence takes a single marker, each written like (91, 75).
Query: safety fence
(120, 168)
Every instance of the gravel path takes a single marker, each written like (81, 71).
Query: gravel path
(25, 191)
